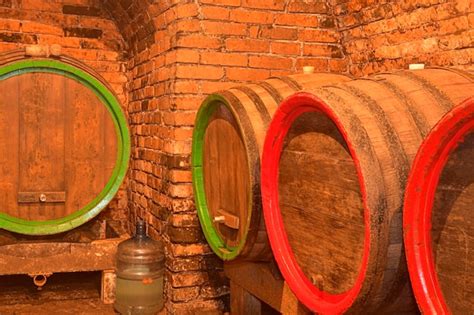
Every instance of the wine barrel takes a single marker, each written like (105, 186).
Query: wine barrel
(64, 144)
(438, 217)
(334, 169)
(227, 144)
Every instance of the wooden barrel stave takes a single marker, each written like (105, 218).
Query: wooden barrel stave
(252, 106)
(385, 131)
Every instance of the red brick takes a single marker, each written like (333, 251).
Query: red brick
(182, 133)
(226, 59)
(181, 190)
(322, 36)
(179, 118)
(338, 65)
(41, 5)
(184, 294)
(186, 10)
(179, 250)
(197, 307)
(286, 48)
(216, 13)
(247, 45)
(269, 62)
(188, 279)
(297, 20)
(197, 41)
(208, 87)
(322, 50)
(471, 20)
(231, 3)
(248, 16)
(183, 220)
(279, 33)
(199, 72)
(280, 73)
(253, 31)
(226, 28)
(187, 102)
(453, 25)
(190, 86)
(264, 4)
(464, 6)
(182, 55)
(188, 26)
(308, 6)
(67, 42)
(10, 25)
(245, 74)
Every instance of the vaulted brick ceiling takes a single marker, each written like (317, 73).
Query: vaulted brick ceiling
(134, 19)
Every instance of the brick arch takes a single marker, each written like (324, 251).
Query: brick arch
(135, 20)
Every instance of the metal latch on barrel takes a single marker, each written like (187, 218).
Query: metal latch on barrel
(42, 197)
(226, 218)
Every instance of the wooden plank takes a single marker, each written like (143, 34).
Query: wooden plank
(242, 302)
(43, 197)
(264, 282)
(321, 203)
(84, 146)
(289, 303)
(109, 139)
(260, 279)
(41, 141)
(53, 257)
(9, 123)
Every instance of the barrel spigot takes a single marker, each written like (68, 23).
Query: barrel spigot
(40, 279)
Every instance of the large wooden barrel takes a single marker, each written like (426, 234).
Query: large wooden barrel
(334, 169)
(438, 220)
(227, 145)
(64, 144)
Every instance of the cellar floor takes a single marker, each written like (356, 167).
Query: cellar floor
(69, 293)
(79, 307)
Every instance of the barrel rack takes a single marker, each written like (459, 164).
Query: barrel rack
(256, 286)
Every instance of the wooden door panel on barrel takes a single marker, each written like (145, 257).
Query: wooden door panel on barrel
(57, 146)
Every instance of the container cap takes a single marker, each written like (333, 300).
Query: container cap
(140, 249)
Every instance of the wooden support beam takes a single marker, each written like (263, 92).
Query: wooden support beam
(262, 282)
(242, 302)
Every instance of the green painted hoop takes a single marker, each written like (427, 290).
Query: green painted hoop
(94, 207)
(215, 241)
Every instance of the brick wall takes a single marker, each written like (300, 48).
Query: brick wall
(383, 35)
(180, 52)
(163, 57)
(85, 32)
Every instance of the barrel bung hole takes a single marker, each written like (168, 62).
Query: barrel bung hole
(321, 203)
(452, 231)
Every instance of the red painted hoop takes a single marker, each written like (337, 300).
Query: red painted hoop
(419, 197)
(315, 299)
